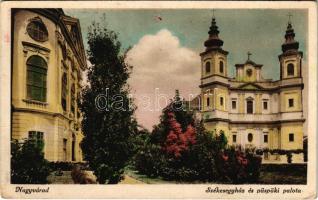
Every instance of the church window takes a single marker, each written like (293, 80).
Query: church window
(291, 137)
(290, 103)
(208, 101)
(233, 105)
(64, 91)
(234, 138)
(36, 78)
(37, 30)
(221, 101)
(221, 67)
(290, 69)
(249, 106)
(265, 105)
(207, 67)
(250, 137)
(266, 138)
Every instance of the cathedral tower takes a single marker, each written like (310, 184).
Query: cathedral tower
(291, 103)
(290, 59)
(214, 58)
(214, 82)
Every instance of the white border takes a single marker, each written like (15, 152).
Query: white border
(154, 191)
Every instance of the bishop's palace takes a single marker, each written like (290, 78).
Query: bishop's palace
(252, 111)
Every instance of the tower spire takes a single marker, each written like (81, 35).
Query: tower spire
(213, 42)
(290, 42)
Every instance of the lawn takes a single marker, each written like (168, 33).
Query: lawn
(270, 174)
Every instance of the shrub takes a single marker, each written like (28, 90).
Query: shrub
(238, 166)
(28, 165)
(149, 160)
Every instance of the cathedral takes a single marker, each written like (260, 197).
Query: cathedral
(252, 111)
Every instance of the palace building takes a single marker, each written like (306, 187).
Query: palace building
(250, 110)
(48, 58)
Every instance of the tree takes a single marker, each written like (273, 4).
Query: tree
(178, 141)
(108, 122)
(28, 165)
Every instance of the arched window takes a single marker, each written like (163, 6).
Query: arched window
(73, 100)
(221, 67)
(249, 107)
(208, 101)
(207, 67)
(290, 69)
(64, 91)
(250, 137)
(37, 30)
(36, 78)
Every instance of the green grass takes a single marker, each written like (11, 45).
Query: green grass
(270, 176)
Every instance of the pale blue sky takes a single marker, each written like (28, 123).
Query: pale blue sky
(260, 31)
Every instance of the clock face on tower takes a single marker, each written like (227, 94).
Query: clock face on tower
(249, 72)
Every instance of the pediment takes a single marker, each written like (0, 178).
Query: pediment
(250, 86)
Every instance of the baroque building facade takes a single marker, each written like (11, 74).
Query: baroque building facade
(48, 58)
(250, 110)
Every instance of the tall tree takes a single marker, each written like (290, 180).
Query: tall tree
(108, 121)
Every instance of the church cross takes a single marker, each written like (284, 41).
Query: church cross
(213, 10)
(289, 17)
(248, 55)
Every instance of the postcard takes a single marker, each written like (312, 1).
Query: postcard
(162, 99)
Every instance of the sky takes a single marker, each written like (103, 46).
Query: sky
(165, 53)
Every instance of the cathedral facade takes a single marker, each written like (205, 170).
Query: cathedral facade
(48, 58)
(253, 112)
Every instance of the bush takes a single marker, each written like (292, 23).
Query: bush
(149, 160)
(181, 149)
(208, 160)
(238, 166)
(28, 165)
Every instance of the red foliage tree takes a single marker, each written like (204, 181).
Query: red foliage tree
(178, 141)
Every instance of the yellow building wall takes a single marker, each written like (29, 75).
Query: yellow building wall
(205, 95)
(273, 138)
(55, 129)
(258, 104)
(253, 75)
(241, 103)
(44, 116)
(297, 130)
(218, 93)
(291, 94)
